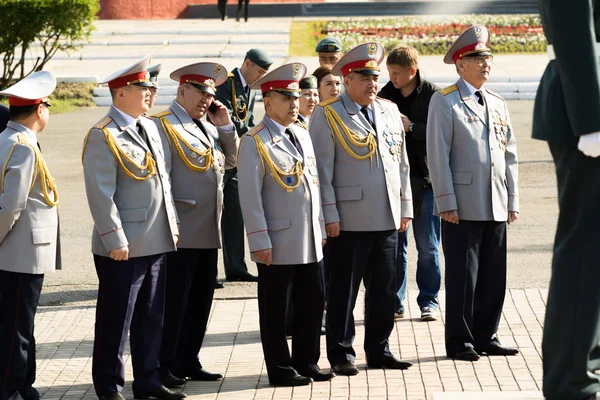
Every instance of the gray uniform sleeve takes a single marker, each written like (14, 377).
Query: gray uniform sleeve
(406, 204)
(250, 183)
(439, 142)
(18, 175)
(100, 177)
(230, 142)
(512, 166)
(325, 152)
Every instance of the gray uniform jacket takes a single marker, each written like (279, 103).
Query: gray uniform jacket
(290, 224)
(28, 225)
(198, 195)
(472, 155)
(127, 211)
(363, 195)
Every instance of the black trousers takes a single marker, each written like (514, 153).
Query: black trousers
(239, 10)
(19, 298)
(232, 226)
(353, 257)
(222, 6)
(130, 299)
(307, 295)
(475, 253)
(191, 275)
(571, 340)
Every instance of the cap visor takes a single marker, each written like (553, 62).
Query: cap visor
(205, 89)
(291, 94)
(144, 84)
(368, 72)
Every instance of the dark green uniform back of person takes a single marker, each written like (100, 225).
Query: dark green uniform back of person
(568, 106)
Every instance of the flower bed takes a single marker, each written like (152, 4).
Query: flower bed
(434, 35)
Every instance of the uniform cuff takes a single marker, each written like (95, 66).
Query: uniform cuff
(330, 213)
(114, 239)
(513, 202)
(446, 202)
(259, 240)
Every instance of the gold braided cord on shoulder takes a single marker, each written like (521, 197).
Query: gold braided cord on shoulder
(243, 110)
(276, 172)
(176, 138)
(335, 123)
(40, 167)
(119, 154)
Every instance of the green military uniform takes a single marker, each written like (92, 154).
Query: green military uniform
(239, 100)
(566, 108)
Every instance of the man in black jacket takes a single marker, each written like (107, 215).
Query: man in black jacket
(411, 94)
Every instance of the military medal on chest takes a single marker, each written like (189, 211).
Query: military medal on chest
(500, 129)
(394, 144)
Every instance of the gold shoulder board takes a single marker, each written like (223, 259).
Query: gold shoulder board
(328, 102)
(103, 122)
(230, 74)
(22, 138)
(162, 114)
(494, 94)
(448, 90)
(256, 129)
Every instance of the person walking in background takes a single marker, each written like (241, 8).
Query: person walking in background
(412, 93)
(238, 14)
(566, 116)
(222, 6)
(472, 158)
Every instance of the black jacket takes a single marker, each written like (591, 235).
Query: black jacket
(417, 113)
(3, 117)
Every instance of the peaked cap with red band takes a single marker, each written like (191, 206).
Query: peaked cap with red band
(135, 74)
(205, 76)
(285, 80)
(364, 59)
(474, 41)
(34, 89)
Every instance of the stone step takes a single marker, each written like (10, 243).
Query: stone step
(488, 396)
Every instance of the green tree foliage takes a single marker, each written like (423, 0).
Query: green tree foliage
(32, 31)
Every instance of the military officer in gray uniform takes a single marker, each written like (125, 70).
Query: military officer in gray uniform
(28, 231)
(237, 96)
(135, 224)
(196, 154)
(279, 183)
(566, 116)
(472, 157)
(365, 188)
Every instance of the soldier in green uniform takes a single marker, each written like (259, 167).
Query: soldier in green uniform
(236, 95)
(567, 116)
(329, 50)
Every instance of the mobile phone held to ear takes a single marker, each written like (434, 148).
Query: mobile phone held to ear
(213, 108)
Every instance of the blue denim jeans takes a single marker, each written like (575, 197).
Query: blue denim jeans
(426, 228)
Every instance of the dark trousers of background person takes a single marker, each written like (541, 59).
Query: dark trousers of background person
(232, 227)
(475, 254)
(571, 340)
(191, 275)
(356, 256)
(19, 297)
(131, 296)
(427, 230)
(238, 15)
(222, 6)
(307, 296)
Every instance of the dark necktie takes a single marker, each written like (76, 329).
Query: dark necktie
(199, 125)
(479, 98)
(247, 91)
(144, 135)
(365, 112)
(290, 136)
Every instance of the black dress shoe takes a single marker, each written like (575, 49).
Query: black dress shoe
(242, 277)
(346, 368)
(467, 354)
(219, 285)
(388, 362)
(199, 374)
(495, 349)
(171, 381)
(112, 396)
(162, 394)
(317, 375)
(297, 380)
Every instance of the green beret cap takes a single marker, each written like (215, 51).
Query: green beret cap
(329, 45)
(153, 73)
(260, 58)
(308, 82)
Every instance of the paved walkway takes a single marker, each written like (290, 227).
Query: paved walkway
(232, 347)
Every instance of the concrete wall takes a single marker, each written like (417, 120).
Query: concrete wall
(164, 9)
